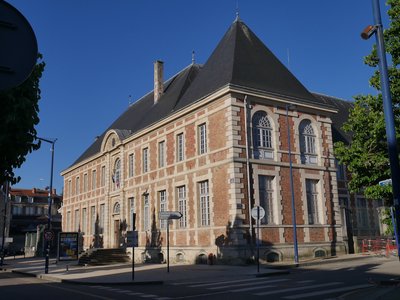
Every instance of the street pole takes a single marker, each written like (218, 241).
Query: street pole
(258, 239)
(389, 116)
(296, 250)
(3, 239)
(47, 243)
(168, 246)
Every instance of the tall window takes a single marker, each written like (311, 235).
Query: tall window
(145, 160)
(94, 179)
(131, 167)
(312, 201)
(180, 147)
(77, 228)
(69, 188)
(84, 220)
(103, 176)
(262, 136)
(68, 221)
(162, 195)
(92, 220)
(362, 212)
(102, 218)
(266, 193)
(116, 177)
(131, 202)
(77, 186)
(161, 154)
(85, 182)
(202, 133)
(182, 206)
(204, 204)
(307, 143)
(146, 212)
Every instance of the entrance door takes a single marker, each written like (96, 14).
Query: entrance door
(116, 233)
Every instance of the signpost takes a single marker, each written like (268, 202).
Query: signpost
(133, 241)
(257, 212)
(169, 215)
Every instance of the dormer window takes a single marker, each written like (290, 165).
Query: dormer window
(262, 136)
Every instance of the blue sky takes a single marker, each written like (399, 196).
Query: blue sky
(100, 52)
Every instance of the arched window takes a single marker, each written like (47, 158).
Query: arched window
(262, 136)
(116, 177)
(307, 143)
(116, 208)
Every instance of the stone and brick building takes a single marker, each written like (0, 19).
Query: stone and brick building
(213, 142)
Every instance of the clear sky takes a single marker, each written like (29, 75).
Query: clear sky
(99, 52)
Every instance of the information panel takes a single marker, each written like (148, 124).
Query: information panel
(68, 243)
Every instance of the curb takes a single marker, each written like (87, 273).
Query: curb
(154, 282)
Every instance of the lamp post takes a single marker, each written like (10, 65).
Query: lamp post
(3, 239)
(388, 110)
(47, 243)
(296, 250)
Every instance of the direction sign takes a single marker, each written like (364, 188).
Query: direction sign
(169, 215)
(257, 212)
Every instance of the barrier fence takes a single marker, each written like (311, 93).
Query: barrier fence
(379, 246)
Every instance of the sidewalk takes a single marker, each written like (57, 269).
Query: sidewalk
(148, 273)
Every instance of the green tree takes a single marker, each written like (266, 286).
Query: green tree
(367, 156)
(18, 118)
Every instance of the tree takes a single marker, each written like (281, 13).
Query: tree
(18, 118)
(367, 156)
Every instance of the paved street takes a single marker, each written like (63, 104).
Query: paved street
(364, 278)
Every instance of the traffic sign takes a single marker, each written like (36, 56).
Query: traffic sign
(257, 212)
(169, 215)
(48, 235)
(385, 182)
(132, 239)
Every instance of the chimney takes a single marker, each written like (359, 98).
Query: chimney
(158, 80)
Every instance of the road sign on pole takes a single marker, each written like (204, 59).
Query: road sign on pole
(385, 182)
(169, 215)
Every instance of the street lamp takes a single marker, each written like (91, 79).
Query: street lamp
(388, 111)
(296, 250)
(46, 240)
(4, 224)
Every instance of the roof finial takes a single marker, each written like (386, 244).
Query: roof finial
(237, 11)
(193, 57)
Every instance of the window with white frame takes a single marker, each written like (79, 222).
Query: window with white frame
(266, 192)
(182, 206)
(102, 218)
(202, 135)
(85, 182)
(76, 219)
(103, 176)
(262, 136)
(77, 186)
(180, 147)
(204, 203)
(131, 165)
(161, 154)
(132, 209)
(69, 188)
(146, 212)
(341, 171)
(162, 198)
(84, 220)
(94, 179)
(312, 201)
(92, 220)
(116, 177)
(307, 143)
(145, 160)
(68, 221)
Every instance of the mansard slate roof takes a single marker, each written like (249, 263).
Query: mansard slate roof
(240, 60)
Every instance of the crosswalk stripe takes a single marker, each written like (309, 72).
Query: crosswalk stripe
(223, 282)
(343, 289)
(254, 288)
(246, 284)
(297, 289)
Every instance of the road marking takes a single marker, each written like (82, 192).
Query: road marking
(148, 296)
(343, 289)
(78, 292)
(305, 281)
(222, 282)
(135, 294)
(246, 284)
(298, 288)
